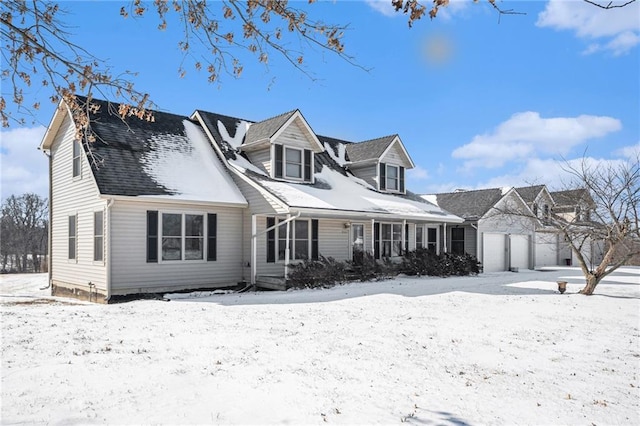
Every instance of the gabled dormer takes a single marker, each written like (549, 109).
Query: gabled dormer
(283, 146)
(381, 162)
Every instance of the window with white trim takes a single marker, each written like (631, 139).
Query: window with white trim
(392, 178)
(457, 240)
(98, 236)
(391, 239)
(419, 236)
(77, 159)
(299, 240)
(182, 236)
(73, 236)
(432, 239)
(293, 163)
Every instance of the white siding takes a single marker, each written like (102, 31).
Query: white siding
(132, 274)
(73, 196)
(261, 159)
(333, 239)
(368, 173)
(295, 136)
(395, 156)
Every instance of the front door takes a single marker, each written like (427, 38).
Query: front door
(357, 239)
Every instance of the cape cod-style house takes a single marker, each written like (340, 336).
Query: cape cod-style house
(209, 200)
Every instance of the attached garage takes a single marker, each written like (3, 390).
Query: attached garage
(519, 251)
(546, 247)
(494, 252)
(503, 251)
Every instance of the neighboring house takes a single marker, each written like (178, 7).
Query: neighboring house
(541, 204)
(210, 200)
(577, 206)
(498, 229)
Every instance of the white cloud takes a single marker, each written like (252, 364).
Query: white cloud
(616, 30)
(526, 134)
(417, 173)
(386, 8)
(383, 6)
(631, 152)
(24, 167)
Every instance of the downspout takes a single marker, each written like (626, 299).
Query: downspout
(49, 243)
(255, 235)
(108, 238)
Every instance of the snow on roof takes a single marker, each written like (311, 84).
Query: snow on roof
(241, 130)
(188, 167)
(340, 157)
(337, 192)
(432, 198)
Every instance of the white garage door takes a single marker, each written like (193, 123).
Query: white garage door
(519, 245)
(494, 252)
(546, 250)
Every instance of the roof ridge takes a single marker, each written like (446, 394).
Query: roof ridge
(225, 116)
(379, 138)
(278, 116)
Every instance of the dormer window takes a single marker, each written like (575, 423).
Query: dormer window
(293, 163)
(391, 178)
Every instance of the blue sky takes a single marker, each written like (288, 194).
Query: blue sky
(506, 101)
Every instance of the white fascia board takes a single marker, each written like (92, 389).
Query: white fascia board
(298, 114)
(395, 140)
(169, 200)
(344, 214)
(54, 126)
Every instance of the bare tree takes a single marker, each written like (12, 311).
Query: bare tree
(24, 231)
(614, 188)
(38, 49)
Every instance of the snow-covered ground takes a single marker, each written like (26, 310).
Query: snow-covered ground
(502, 348)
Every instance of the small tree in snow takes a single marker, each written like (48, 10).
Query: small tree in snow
(613, 219)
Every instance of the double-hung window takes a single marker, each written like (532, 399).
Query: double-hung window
(391, 239)
(77, 158)
(73, 236)
(392, 178)
(299, 240)
(293, 163)
(98, 236)
(457, 240)
(303, 239)
(419, 236)
(182, 236)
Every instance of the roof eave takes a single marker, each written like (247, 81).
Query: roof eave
(54, 126)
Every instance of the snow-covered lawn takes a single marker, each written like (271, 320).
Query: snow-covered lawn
(503, 348)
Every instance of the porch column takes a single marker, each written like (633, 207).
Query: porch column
(373, 238)
(444, 246)
(404, 248)
(286, 250)
(254, 252)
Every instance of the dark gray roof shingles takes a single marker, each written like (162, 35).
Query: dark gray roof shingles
(470, 205)
(120, 147)
(368, 150)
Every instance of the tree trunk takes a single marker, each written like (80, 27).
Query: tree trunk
(592, 282)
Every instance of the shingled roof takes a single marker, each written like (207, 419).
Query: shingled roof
(133, 157)
(470, 205)
(529, 193)
(267, 128)
(369, 150)
(334, 189)
(572, 197)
